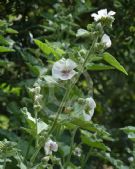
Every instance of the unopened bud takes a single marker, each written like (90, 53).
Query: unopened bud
(81, 100)
(46, 158)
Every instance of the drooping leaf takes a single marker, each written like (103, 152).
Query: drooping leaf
(112, 61)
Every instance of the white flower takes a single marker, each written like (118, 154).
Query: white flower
(131, 159)
(103, 14)
(91, 105)
(50, 146)
(106, 41)
(63, 69)
(88, 117)
(77, 152)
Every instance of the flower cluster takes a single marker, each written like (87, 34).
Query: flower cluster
(103, 15)
(37, 97)
(105, 19)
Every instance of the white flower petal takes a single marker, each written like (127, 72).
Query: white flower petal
(91, 103)
(102, 12)
(111, 13)
(88, 116)
(106, 40)
(71, 64)
(56, 73)
(95, 16)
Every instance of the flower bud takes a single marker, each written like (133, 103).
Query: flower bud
(81, 100)
(46, 158)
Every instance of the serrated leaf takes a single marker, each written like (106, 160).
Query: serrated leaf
(6, 49)
(112, 61)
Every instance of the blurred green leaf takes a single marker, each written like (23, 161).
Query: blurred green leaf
(94, 143)
(5, 49)
(12, 31)
(47, 49)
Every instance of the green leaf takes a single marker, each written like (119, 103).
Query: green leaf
(95, 58)
(65, 150)
(47, 49)
(82, 33)
(41, 126)
(12, 31)
(131, 136)
(98, 67)
(94, 143)
(34, 69)
(128, 129)
(87, 125)
(112, 61)
(6, 64)
(5, 49)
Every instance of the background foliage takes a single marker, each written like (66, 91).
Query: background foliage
(21, 62)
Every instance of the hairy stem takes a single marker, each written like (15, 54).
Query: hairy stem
(71, 146)
(36, 143)
(63, 103)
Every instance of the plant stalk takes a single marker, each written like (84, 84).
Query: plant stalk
(63, 103)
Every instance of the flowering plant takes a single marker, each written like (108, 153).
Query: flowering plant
(57, 116)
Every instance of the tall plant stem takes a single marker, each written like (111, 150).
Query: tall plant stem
(86, 158)
(36, 119)
(63, 103)
(71, 147)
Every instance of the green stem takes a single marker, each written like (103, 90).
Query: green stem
(36, 119)
(86, 158)
(4, 165)
(63, 103)
(71, 146)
